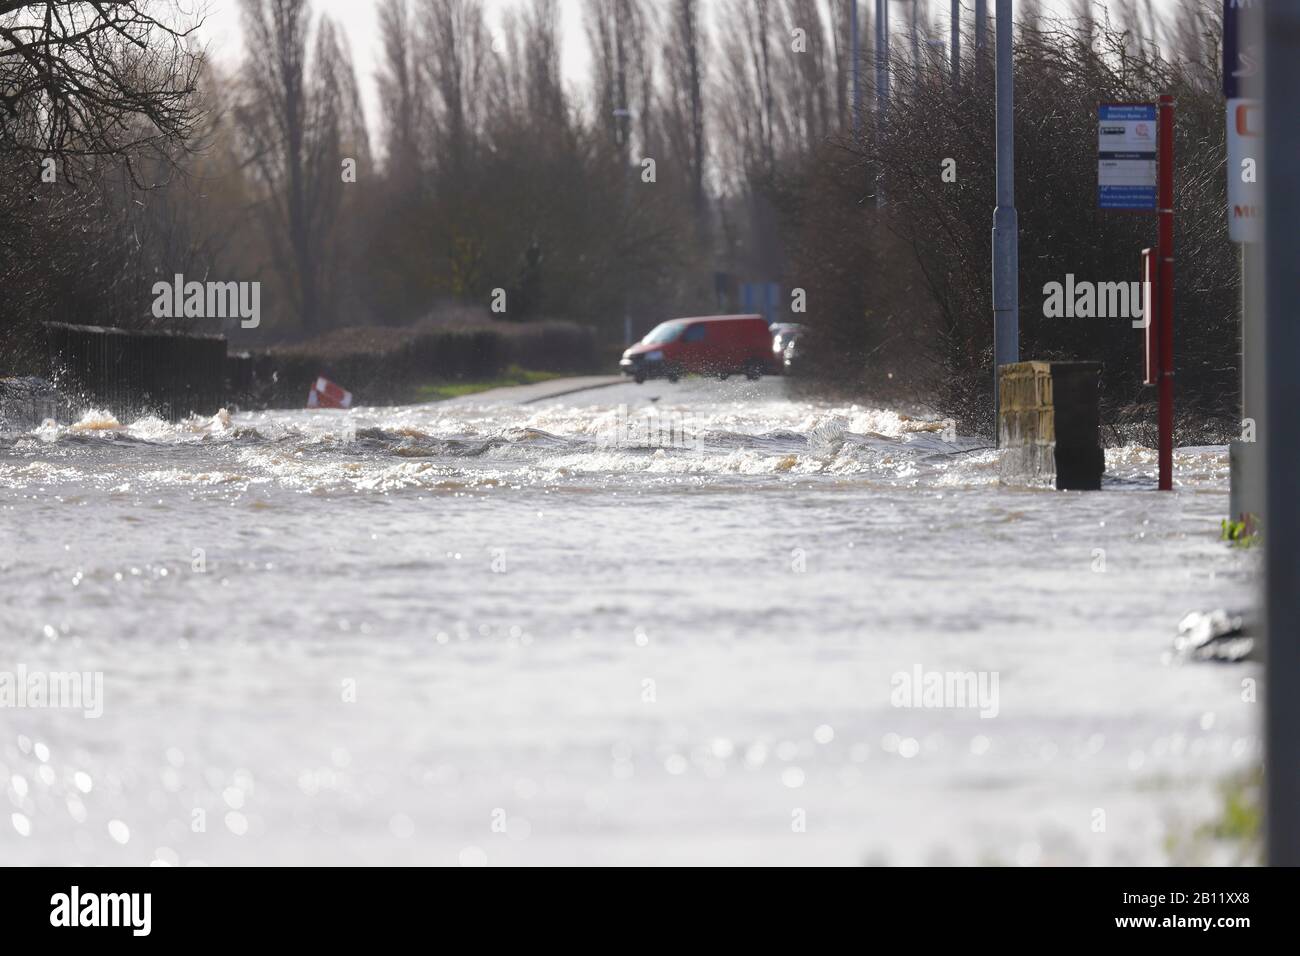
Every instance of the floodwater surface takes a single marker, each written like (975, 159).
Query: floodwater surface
(564, 632)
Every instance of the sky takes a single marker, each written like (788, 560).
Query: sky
(360, 21)
(361, 25)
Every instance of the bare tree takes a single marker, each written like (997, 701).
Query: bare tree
(623, 76)
(684, 56)
(98, 102)
(760, 52)
(841, 25)
(299, 132)
(275, 120)
(84, 80)
(811, 98)
(455, 52)
(401, 90)
(545, 89)
(338, 136)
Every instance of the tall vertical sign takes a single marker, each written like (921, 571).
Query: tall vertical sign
(1245, 131)
(1135, 172)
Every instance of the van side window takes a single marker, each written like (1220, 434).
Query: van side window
(695, 333)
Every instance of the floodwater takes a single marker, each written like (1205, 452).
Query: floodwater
(480, 632)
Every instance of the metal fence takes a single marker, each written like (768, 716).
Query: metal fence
(132, 373)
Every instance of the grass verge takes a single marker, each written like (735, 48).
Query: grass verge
(1233, 836)
(456, 388)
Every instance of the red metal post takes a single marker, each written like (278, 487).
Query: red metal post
(1165, 298)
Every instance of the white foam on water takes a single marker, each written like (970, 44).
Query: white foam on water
(468, 601)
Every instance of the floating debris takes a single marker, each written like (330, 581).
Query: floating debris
(1218, 635)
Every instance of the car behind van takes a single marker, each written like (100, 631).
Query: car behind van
(719, 345)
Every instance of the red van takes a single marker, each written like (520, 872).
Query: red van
(719, 345)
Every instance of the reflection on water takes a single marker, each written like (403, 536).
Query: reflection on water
(473, 632)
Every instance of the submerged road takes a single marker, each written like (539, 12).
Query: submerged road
(633, 624)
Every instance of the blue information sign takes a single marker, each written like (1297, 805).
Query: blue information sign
(1126, 156)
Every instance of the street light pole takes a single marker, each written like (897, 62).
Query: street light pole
(623, 119)
(954, 43)
(853, 44)
(882, 84)
(1006, 264)
(916, 49)
(882, 60)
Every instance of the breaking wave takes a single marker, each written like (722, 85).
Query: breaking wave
(465, 446)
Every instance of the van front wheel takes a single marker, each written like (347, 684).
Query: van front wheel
(753, 371)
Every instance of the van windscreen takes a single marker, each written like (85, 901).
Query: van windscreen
(664, 332)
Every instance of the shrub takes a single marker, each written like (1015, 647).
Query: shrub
(1062, 71)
